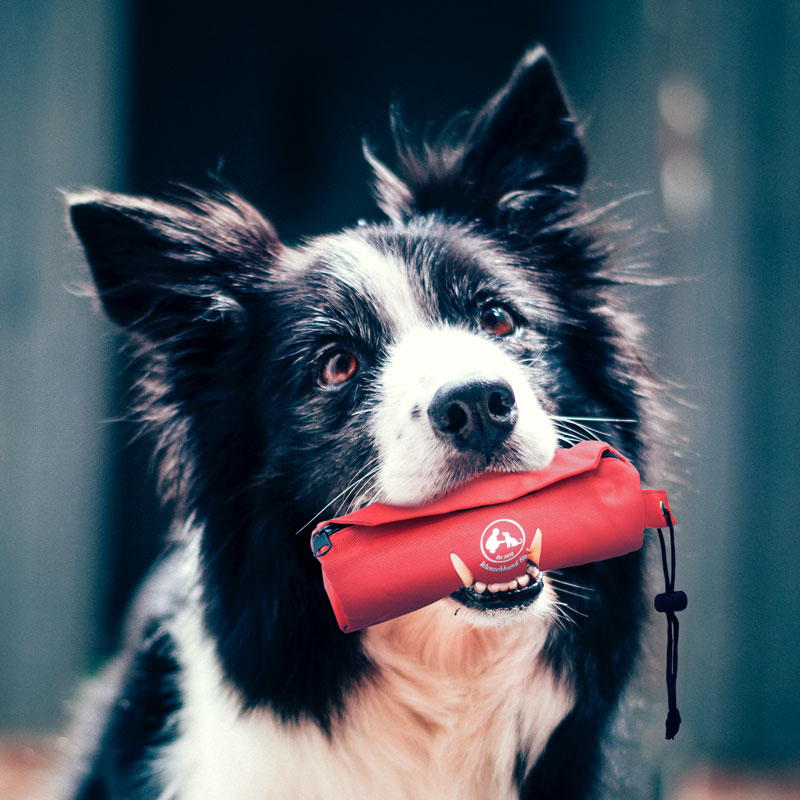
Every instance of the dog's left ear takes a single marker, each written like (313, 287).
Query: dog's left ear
(528, 122)
(524, 138)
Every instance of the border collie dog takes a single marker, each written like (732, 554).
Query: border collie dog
(472, 328)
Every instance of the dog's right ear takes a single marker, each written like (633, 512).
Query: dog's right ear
(161, 266)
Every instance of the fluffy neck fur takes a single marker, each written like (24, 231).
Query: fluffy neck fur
(450, 711)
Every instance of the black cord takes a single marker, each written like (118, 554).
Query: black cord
(669, 603)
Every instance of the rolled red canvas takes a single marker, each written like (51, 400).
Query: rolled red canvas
(384, 561)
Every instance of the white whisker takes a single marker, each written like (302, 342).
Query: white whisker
(370, 473)
(561, 590)
(567, 583)
(568, 610)
(590, 419)
(355, 491)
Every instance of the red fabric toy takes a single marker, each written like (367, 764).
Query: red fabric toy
(384, 561)
(588, 505)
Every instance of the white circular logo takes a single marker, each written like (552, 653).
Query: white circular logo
(502, 541)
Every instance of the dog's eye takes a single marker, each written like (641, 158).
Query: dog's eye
(497, 320)
(337, 368)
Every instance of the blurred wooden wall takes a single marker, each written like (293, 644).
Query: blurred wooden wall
(61, 101)
(695, 104)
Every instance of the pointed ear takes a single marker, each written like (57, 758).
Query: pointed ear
(527, 122)
(524, 138)
(160, 266)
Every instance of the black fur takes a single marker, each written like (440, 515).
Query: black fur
(226, 336)
(139, 723)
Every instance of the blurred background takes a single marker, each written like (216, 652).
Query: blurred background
(695, 105)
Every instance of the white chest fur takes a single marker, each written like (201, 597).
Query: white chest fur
(445, 717)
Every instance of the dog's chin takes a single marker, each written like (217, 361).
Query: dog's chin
(531, 605)
(501, 605)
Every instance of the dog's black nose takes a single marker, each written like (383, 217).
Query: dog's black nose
(474, 414)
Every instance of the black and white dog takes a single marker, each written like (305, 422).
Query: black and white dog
(474, 328)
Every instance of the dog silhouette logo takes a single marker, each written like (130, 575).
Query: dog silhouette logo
(502, 541)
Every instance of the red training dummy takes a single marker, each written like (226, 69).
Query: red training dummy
(384, 561)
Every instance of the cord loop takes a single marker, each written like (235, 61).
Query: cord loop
(670, 602)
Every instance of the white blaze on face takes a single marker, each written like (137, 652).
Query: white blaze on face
(416, 464)
(380, 278)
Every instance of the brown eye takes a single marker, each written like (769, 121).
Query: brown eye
(339, 367)
(497, 320)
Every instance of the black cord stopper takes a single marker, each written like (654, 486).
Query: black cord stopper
(670, 602)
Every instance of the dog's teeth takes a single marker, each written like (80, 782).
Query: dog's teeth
(462, 570)
(511, 585)
(523, 580)
(494, 588)
(535, 553)
(479, 587)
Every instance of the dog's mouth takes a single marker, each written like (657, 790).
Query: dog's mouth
(509, 595)
(515, 594)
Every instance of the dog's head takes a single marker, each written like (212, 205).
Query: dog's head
(391, 361)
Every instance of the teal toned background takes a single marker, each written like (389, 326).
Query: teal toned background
(697, 105)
